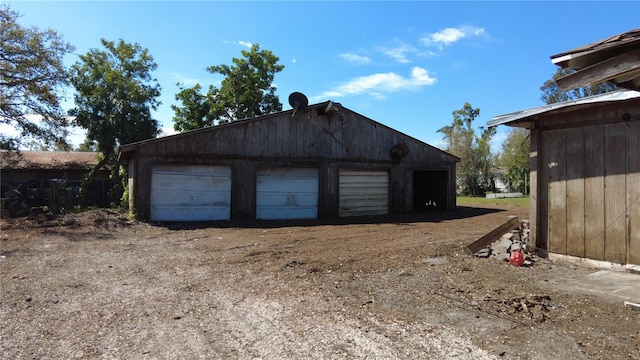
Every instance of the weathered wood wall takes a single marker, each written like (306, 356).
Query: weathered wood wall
(328, 142)
(587, 189)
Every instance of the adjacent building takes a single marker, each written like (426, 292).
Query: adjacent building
(585, 156)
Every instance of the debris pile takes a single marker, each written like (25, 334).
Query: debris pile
(512, 246)
(28, 198)
(531, 306)
(51, 196)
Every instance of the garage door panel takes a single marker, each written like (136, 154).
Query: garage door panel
(187, 183)
(287, 193)
(191, 198)
(290, 200)
(194, 170)
(284, 185)
(190, 193)
(363, 193)
(190, 213)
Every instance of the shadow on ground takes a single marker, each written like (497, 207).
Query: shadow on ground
(461, 212)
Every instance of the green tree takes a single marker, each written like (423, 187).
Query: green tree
(31, 72)
(195, 111)
(552, 94)
(473, 172)
(87, 146)
(115, 94)
(246, 91)
(514, 159)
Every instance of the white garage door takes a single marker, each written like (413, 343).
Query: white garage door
(283, 193)
(363, 193)
(190, 193)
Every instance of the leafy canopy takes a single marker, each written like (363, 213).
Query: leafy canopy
(246, 91)
(195, 111)
(473, 172)
(31, 72)
(115, 96)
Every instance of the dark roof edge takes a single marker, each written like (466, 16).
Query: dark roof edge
(627, 38)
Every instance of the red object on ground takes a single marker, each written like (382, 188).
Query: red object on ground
(516, 258)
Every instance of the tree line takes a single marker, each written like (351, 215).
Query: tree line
(115, 94)
(115, 91)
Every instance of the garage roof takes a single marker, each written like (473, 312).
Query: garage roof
(525, 118)
(615, 59)
(322, 108)
(48, 160)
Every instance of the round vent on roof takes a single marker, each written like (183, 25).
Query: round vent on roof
(399, 151)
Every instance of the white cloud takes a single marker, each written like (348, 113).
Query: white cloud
(353, 58)
(449, 36)
(241, 43)
(377, 85)
(398, 53)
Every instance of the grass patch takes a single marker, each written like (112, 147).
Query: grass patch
(476, 200)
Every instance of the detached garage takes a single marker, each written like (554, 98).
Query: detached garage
(319, 161)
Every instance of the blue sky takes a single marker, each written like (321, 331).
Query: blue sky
(406, 64)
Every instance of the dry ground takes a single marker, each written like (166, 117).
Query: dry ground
(95, 285)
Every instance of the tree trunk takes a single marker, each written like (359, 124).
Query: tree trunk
(88, 180)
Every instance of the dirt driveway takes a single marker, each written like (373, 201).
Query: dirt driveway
(94, 285)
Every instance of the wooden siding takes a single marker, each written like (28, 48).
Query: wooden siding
(633, 192)
(557, 191)
(574, 148)
(534, 192)
(614, 193)
(587, 189)
(347, 136)
(594, 192)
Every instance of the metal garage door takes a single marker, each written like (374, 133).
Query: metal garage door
(363, 193)
(283, 193)
(190, 193)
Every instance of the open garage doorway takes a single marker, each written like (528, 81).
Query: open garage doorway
(429, 191)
